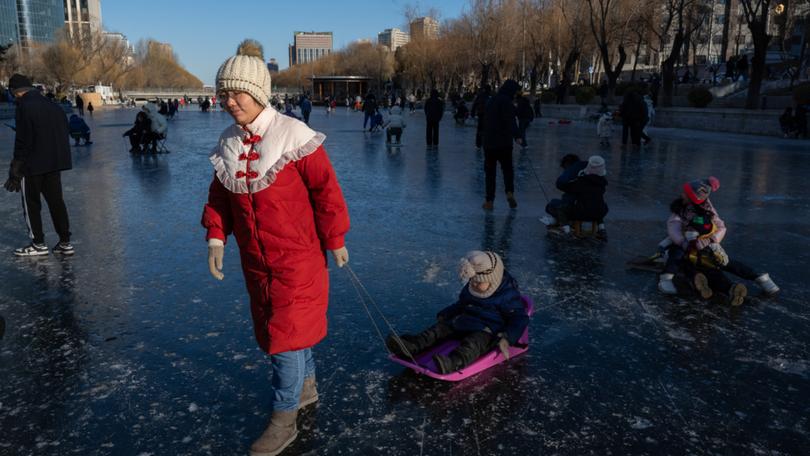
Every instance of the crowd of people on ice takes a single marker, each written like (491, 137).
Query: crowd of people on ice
(275, 191)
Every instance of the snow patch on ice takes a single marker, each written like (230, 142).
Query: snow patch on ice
(639, 423)
(431, 273)
(193, 407)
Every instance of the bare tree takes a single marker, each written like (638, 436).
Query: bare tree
(756, 15)
(609, 20)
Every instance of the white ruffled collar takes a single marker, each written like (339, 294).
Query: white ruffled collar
(249, 159)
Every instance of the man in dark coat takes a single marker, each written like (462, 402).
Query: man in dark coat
(587, 190)
(434, 110)
(41, 153)
(369, 109)
(500, 131)
(634, 116)
(80, 105)
(478, 109)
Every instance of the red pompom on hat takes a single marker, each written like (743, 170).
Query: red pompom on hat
(698, 191)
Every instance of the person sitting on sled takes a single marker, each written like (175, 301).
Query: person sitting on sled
(695, 231)
(489, 313)
(583, 185)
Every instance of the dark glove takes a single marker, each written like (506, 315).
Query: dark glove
(15, 175)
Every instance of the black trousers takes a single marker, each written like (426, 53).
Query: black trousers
(432, 133)
(395, 132)
(479, 133)
(49, 186)
(493, 156)
(634, 129)
(472, 346)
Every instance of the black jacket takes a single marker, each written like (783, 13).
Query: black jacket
(524, 109)
(589, 197)
(500, 125)
(42, 141)
(434, 108)
(633, 109)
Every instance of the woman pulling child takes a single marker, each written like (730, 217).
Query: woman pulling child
(489, 313)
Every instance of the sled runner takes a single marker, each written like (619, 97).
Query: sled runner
(425, 365)
(654, 263)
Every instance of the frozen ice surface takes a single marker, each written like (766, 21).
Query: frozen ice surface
(130, 347)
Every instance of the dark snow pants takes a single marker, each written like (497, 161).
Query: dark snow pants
(432, 133)
(493, 156)
(472, 346)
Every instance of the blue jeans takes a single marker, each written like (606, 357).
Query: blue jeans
(289, 371)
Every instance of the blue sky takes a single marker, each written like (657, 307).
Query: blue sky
(205, 32)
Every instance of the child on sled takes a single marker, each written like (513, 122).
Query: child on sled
(489, 313)
(695, 232)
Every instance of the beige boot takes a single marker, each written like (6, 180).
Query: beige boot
(280, 433)
(309, 393)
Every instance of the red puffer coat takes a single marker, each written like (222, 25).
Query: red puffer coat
(276, 191)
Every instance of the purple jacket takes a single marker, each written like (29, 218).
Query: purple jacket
(678, 224)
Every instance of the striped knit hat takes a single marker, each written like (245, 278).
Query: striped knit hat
(246, 72)
(478, 267)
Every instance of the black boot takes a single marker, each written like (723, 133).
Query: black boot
(420, 342)
(472, 347)
(399, 348)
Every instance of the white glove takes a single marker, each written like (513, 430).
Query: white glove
(341, 256)
(720, 255)
(215, 254)
(690, 235)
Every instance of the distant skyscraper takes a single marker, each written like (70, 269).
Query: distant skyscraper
(272, 66)
(82, 17)
(309, 46)
(25, 22)
(8, 22)
(393, 38)
(424, 28)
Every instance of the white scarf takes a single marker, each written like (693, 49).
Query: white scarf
(282, 140)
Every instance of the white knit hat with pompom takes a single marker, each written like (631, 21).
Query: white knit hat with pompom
(478, 266)
(246, 72)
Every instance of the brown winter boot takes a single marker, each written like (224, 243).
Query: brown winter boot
(737, 294)
(702, 286)
(280, 433)
(309, 393)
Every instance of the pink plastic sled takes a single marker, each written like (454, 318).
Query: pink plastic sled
(425, 364)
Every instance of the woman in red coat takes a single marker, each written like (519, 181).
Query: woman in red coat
(275, 190)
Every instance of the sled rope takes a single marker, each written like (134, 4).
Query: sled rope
(361, 290)
(537, 178)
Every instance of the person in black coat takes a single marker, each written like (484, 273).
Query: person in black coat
(80, 105)
(478, 109)
(588, 191)
(634, 116)
(489, 313)
(434, 110)
(139, 132)
(369, 110)
(525, 116)
(571, 165)
(500, 131)
(41, 153)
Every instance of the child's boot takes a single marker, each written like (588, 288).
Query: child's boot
(737, 294)
(767, 285)
(280, 433)
(665, 284)
(701, 284)
(471, 348)
(401, 346)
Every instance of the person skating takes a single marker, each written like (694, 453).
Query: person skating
(434, 110)
(394, 125)
(586, 193)
(633, 117)
(525, 115)
(500, 131)
(79, 130)
(80, 105)
(694, 231)
(275, 190)
(90, 108)
(41, 153)
(489, 313)
(369, 109)
(306, 108)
